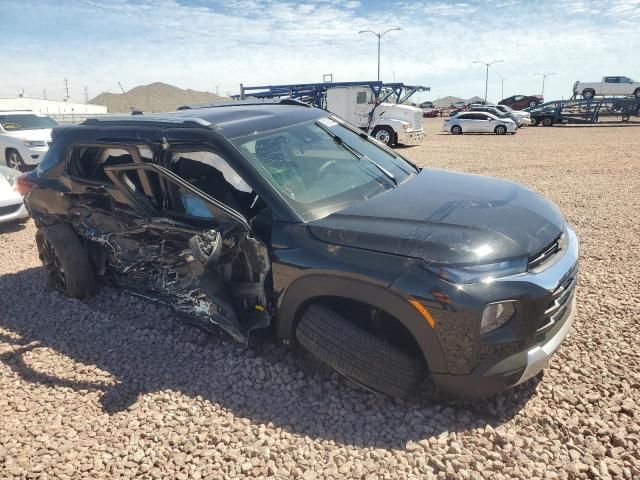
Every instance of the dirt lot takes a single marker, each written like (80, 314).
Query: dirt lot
(117, 387)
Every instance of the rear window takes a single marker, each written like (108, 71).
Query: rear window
(14, 123)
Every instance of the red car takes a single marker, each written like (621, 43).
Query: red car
(518, 102)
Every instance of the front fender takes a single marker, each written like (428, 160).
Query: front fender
(311, 286)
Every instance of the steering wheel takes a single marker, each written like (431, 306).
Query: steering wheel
(322, 171)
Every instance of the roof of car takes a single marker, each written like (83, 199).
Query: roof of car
(231, 119)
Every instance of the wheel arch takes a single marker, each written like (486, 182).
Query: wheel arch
(306, 289)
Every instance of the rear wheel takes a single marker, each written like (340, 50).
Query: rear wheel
(532, 104)
(358, 354)
(66, 261)
(547, 121)
(385, 135)
(588, 94)
(500, 130)
(456, 130)
(14, 159)
(637, 93)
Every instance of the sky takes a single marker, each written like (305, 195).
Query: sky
(211, 44)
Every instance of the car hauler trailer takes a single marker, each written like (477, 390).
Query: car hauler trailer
(585, 111)
(376, 107)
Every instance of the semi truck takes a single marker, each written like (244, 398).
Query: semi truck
(378, 108)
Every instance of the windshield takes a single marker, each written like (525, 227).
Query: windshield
(323, 166)
(14, 122)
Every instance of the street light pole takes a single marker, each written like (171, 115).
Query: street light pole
(544, 77)
(501, 87)
(486, 79)
(379, 35)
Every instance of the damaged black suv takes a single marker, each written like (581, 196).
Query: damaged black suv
(278, 215)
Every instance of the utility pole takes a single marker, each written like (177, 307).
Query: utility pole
(379, 35)
(66, 87)
(86, 94)
(486, 79)
(544, 77)
(44, 93)
(217, 91)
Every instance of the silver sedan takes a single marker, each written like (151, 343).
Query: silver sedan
(11, 204)
(478, 122)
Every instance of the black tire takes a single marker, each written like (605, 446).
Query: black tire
(547, 121)
(357, 354)
(637, 93)
(532, 104)
(500, 130)
(536, 122)
(588, 94)
(385, 135)
(66, 261)
(13, 159)
(456, 130)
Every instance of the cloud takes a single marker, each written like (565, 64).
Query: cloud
(202, 44)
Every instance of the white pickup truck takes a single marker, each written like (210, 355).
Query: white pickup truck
(607, 86)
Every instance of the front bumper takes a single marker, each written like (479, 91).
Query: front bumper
(32, 155)
(11, 210)
(410, 137)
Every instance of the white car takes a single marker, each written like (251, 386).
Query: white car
(525, 117)
(11, 204)
(25, 137)
(479, 122)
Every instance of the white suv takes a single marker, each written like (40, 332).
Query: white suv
(24, 137)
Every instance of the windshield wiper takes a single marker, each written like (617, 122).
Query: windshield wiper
(357, 154)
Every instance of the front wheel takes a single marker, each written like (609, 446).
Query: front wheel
(637, 93)
(358, 354)
(14, 159)
(500, 130)
(456, 130)
(547, 122)
(384, 135)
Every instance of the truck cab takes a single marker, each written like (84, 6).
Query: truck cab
(391, 123)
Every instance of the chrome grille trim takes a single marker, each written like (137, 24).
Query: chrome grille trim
(561, 300)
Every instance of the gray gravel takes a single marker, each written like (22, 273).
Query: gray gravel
(117, 386)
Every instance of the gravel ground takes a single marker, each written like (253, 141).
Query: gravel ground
(117, 387)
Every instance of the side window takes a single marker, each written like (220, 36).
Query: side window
(625, 80)
(211, 173)
(361, 98)
(465, 117)
(481, 116)
(611, 79)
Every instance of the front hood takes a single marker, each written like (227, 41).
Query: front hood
(43, 134)
(448, 218)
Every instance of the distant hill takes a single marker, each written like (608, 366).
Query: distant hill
(155, 97)
(447, 101)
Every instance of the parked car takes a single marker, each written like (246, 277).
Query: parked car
(24, 137)
(525, 117)
(478, 122)
(607, 86)
(460, 104)
(498, 113)
(427, 104)
(431, 112)
(11, 205)
(279, 215)
(518, 102)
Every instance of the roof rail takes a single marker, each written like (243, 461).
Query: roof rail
(251, 101)
(15, 110)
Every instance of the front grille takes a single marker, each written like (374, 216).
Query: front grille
(417, 120)
(561, 300)
(546, 254)
(9, 209)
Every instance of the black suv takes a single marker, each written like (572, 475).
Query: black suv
(278, 215)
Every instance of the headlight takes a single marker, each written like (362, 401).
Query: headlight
(480, 273)
(496, 315)
(34, 143)
(406, 126)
